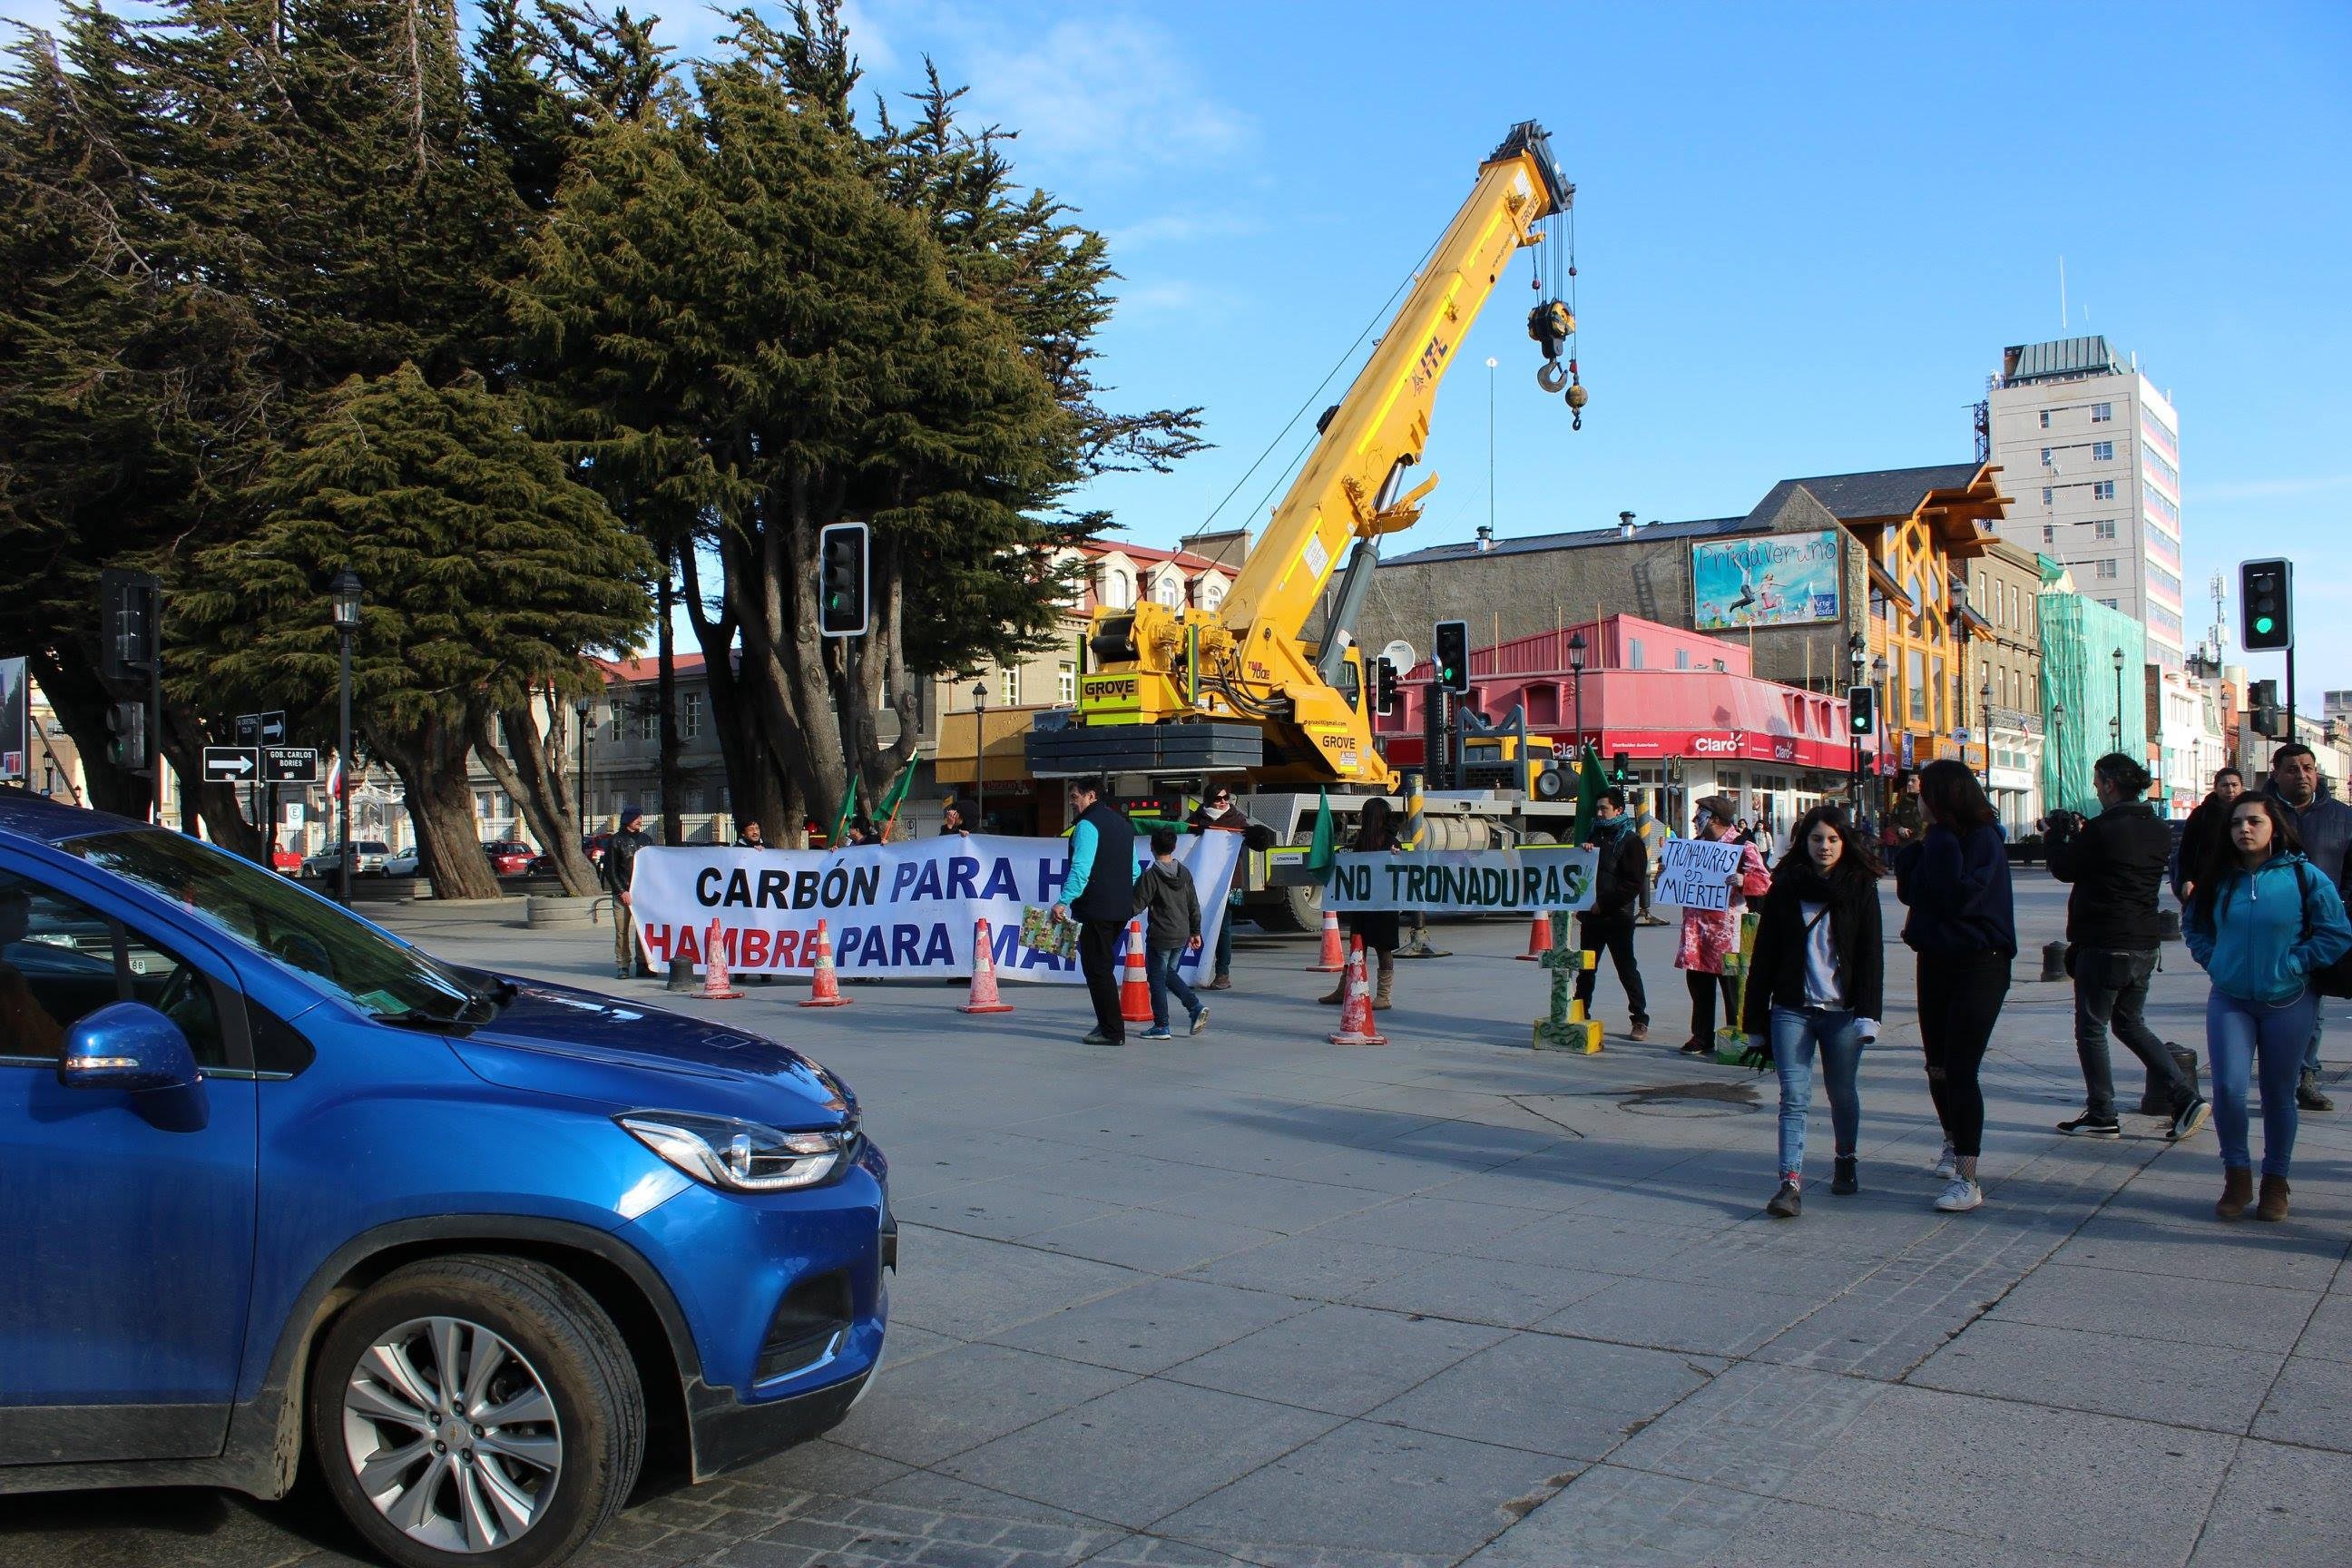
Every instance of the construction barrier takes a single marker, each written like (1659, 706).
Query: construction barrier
(1356, 1026)
(824, 986)
(1538, 937)
(1135, 986)
(984, 998)
(716, 988)
(1334, 956)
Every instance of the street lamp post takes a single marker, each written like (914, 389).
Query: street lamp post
(979, 752)
(2120, 700)
(345, 590)
(1576, 684)
(1885, 705)
(1855, 646)
(1984, 723)
(584, 707)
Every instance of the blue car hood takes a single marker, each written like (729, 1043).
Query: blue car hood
(554, 1040)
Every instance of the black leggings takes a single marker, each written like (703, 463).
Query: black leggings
(1960, 994)
(1702, 989)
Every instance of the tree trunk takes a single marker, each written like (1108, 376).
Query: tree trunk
(80, 701)
(792, 643)
(525, 780)
(754, 793)
(431, 761)
(220, 806)
(673, 777)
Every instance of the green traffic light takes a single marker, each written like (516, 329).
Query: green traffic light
(2263, 624)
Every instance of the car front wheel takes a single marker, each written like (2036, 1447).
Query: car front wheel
(479, 1410)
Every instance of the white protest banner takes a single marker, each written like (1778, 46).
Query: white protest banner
(1464, 881)
(1695, 874)
(901, 909)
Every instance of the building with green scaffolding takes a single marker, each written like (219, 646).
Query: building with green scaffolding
(2093, 691)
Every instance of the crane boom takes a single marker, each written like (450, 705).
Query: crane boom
(1248, 663)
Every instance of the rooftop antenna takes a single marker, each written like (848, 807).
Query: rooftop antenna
(2221, 632)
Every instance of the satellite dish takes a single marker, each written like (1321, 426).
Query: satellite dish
(1400, 653)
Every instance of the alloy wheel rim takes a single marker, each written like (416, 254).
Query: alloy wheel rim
(451, 1434)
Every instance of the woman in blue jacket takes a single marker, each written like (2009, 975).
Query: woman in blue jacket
(1963, 926)
(2262, 921)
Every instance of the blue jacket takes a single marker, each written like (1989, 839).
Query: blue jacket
(2264, 931)
(1958, 888)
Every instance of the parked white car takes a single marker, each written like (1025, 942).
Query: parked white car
(368, 862)
(404, 864)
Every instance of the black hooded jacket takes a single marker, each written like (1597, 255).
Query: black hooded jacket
(2116, 861)
(1776, 975)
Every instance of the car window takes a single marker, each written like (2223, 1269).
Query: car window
(62, 961)
(264, 912)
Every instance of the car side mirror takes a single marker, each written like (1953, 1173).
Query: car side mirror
(127, 1045)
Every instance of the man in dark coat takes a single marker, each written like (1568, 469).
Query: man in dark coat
(620, 866)
(1097, 891)
(2325, 825)
(2116, 861)
(1617, 877)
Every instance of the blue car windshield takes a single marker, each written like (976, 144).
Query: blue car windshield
(262, 911)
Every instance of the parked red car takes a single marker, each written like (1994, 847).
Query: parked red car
(509, 856)
(285, 862)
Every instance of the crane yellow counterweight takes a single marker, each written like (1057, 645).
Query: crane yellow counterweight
(1190, 690)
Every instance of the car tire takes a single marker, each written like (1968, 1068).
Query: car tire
(543, 1333)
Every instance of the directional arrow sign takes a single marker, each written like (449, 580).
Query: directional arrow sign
(290, 764)
(229, 764)
(273, 727)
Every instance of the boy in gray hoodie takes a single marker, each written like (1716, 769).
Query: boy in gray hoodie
(1165, 895)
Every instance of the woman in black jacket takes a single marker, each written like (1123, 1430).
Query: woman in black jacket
(1817, 979)
(1963, 926)
(1375, 834)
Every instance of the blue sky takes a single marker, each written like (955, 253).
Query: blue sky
(1805, 234)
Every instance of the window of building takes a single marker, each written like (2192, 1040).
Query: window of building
(2045, 455)
(1066, 683)
(2104, 489)
(690, 715)
(2045, 419)
(2108, 603)
(2103, 528)
(1010, 685)
(1119, 589)
(649, 726)
(2047, 492)
(1682, 658)
(2158, 578)
(1169, 591)
(2103, 452)
(2102, 412)
(1633, 653)
(2049, 534)
(612, 723)
(2103, 569)
(1914, 676)
(1212, 592)
(2164, 473)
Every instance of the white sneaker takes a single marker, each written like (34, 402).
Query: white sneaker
(1961, 1196)
(1947, 1164)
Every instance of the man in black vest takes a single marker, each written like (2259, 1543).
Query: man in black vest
(1100, 892)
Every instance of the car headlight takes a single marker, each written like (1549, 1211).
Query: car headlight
(740, 1156)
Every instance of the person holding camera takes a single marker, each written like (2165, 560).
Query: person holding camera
(2117, 862)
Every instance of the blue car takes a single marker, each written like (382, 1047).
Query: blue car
(483, 1248)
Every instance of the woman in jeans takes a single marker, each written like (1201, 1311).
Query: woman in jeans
(1963, 926)
(1817, 980)
(2261, 923)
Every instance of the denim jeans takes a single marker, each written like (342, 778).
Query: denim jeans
(1159, 969)
(2111, 989)
(1795, 1033)
(1226, 943)
(2318, 1025)
(2240, 1035)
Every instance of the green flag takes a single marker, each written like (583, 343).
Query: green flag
(1589, 781)
(896, 796)
(848, 810)
(1318, 848)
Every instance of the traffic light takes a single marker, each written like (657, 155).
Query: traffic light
(1621, 767)
(2262, 708)
(1384, 686)
(128, 604)
(1452, 656)
(127, 723)
(841, 580)
(1861, 709)
(2266, 604)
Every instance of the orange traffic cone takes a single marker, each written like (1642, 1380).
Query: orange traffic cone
(824, 986)
(716, 986)
(1135, 986)
(1334, 957)
(983, 976)
(1356, 1028)
(1538, 937)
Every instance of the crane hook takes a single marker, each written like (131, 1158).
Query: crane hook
(1550, 376)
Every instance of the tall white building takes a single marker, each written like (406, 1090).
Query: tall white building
(2090, 450)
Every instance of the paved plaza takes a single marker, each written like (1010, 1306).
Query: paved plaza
(1253, 1299)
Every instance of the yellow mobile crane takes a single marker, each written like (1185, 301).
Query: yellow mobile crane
(1241, 688)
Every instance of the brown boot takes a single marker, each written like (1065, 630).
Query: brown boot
(2272, 1204)
(1388, 978)
(2237, 1192)
(1339, 994)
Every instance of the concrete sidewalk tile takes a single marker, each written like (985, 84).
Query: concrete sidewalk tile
(2311, 1404)
(2183, 1310)
(1342, 1359)
(962, 1398)
(945, 1494)
(1152, 1241)
(2330, 1332)
(820, 1465)
(1629, 1519)
(1001, 1210)
(1310, 1265)
(1704, 1319)
(2141, 1374)
(2282, 1508)
(1140, 1452)
(2288, 1256)
(1575, 1398)
(1795, 1260)
(965, 1287)
(1483, 1290)
(1279, 1204)
(1373, 1489)
(1446, 1226)
(1125, 1180)
(1752, 1427)
(1152, 1326)
(1567, 1240)
(1377, 1168)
